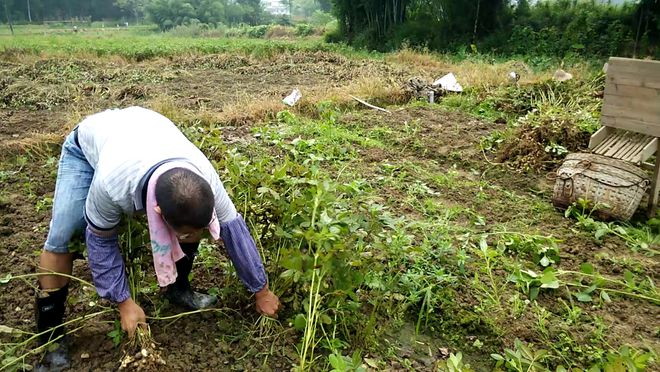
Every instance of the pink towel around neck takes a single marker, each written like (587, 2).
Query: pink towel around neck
(164, 242)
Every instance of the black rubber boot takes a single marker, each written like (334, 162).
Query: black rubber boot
(180, 292)
(49, 311)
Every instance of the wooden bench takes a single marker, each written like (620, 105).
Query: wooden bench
(631, 117)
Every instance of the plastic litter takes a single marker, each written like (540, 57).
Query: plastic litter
(292, 98)
(449, 83)
(561, 75)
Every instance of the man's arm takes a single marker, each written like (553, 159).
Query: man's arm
(243, 253)
(105, 261)
(247, 261)
(242, 250)
(103, 215)
(107, 265)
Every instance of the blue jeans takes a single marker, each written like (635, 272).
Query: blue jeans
(74, 176)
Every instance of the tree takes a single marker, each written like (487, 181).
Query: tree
(234, 13)
(373, 16)
(522, 9)
(170, 13)
(325, 5)
(305, 8)
(647, 16)
(289, 5)
(134, 7)
(210, 11)
(8, 14)
(254, 11)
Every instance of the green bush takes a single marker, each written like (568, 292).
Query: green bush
(257, 32)
(304, 30)
(333, 36)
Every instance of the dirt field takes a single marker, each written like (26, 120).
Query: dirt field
(42, 98)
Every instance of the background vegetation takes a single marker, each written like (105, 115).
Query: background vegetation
(557, 28)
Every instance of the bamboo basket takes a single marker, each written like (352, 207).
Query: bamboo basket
(615, 186)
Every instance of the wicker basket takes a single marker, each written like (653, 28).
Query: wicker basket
(615, 185)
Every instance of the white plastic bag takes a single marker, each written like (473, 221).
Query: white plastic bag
(449, 83)
(292, 98)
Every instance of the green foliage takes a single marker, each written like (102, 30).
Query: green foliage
(531, 282)
(320, 18)
(257, 32)
(142, 48)
(562, 28)
(644, 237)
(171, 13)
(116, 335)
(569, 28)
(627, 359)
(522, 358)
(455, 363)
(328, 239)
(304, 29)
(342, 363)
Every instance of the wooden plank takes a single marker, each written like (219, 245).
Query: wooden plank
(634, 140)
(634, 79)
(633, 104)
(612, 140)
(600, 135)
(645, 71)
(653, 199)
(621, 90)
(641, 122)
(648, 166)
(633, 153)
(648, 151)
(607, 143)
(620, 143)
(637, 141)
(640, 66)
(632, 125)
(636, 149)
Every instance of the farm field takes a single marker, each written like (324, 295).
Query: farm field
(422, 238)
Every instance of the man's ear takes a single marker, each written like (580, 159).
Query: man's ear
(157, 210)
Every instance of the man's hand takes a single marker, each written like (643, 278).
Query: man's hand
(131, 315)
(267, 303)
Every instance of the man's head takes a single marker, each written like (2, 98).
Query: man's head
(185, 200)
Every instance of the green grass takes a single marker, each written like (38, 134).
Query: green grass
(96, 28)
(144, 43)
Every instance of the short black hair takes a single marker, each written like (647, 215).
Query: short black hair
(185, 199)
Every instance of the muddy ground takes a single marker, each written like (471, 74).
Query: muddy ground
(41, 99)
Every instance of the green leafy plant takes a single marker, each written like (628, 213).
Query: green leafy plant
(644, 237)
(455, 363)
(531, 282)
(522, 358)
(117, 334)
(342, 363)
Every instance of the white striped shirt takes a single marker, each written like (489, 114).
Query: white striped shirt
(122, 145)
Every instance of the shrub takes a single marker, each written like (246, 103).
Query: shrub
(257, 32)
(304, 30)
(277, 31)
